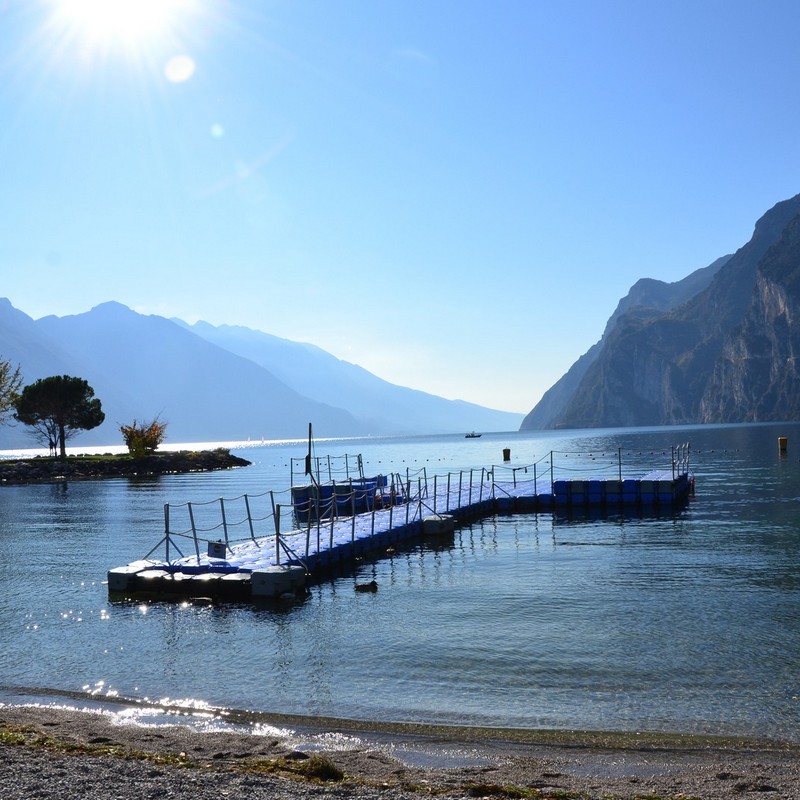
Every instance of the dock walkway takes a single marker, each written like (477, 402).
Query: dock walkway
(270, 565)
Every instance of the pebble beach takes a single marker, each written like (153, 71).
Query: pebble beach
(48, 752)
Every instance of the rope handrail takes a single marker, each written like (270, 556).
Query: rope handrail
(319, 465)
(225, 499)
(515, 467)
(317, 508)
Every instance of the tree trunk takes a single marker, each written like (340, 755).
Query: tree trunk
(62, 440)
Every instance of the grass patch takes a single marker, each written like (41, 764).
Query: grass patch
(316, 768)
(321, 769)
(13, 738)
(21, 736)
(494, 790)
(519, 792)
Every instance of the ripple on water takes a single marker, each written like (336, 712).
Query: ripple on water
(678, 622)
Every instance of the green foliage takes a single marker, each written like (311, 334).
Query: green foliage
(12, 738)
(143, 438)
(56, 408)
(10, 385)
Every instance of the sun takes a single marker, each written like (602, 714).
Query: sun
(126, 22)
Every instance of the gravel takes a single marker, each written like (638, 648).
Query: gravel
(78, 755)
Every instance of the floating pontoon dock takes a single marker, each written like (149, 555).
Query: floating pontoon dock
(342, 519)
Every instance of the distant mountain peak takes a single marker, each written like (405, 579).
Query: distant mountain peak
(226, 383)
(111, 307)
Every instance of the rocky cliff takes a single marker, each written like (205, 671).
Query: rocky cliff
(755, 376)
(718, 350)
(645, 296)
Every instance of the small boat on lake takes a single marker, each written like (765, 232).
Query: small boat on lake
(473, 435)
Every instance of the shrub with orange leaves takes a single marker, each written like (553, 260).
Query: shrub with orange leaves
(143, 438)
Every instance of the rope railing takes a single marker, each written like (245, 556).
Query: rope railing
(319, 528)
(318, 518)
(327, 468)
(598, 464)
(223, 520)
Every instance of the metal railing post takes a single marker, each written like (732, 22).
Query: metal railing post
(277, 534)
(194, 532)
(224, 520)
(166, 529)
(250, 516)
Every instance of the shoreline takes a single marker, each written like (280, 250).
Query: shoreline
(238, 719)
(267, 753)
(44, 469)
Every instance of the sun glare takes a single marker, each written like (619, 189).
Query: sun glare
(129, 22)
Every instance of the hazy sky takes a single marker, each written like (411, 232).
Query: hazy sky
(452, 194)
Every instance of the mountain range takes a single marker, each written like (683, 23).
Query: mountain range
(715, 347)
(218, 383)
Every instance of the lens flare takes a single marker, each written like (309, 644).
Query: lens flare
(179, 69)
(130, 22)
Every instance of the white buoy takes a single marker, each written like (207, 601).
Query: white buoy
(277, 580)
(119, 578)
(438, 524)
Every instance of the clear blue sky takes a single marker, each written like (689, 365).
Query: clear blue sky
(453, 195)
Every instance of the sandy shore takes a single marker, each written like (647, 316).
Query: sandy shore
(56, 753)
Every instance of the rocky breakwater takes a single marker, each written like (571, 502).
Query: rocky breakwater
(83, 467)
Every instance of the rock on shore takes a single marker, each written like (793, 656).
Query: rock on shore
(42, 469)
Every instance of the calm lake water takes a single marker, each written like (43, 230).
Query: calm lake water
(680, 622)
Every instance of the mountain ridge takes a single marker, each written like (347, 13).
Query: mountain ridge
(315, 373)
(144, 366)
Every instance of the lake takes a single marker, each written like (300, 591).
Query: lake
(686, 621)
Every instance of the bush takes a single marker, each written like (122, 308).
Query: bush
(143, 438)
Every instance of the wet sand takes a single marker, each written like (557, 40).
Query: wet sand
(52, 752)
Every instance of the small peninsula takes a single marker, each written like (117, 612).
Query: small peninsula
(43, 469)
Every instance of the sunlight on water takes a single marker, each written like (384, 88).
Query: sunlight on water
(169, 447)
(683, 622)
